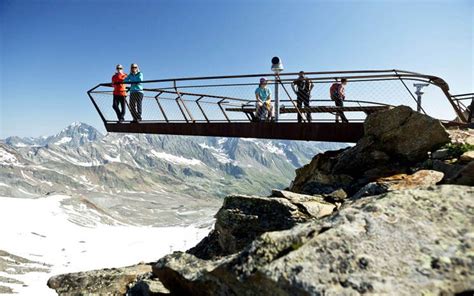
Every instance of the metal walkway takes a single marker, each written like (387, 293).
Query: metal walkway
(224, 106)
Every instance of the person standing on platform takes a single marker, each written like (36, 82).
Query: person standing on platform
(136, 92)
(338, 95)
(120, 93)
(302, 88)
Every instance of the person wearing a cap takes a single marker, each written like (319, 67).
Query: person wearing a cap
(264, 106)
(120, 93)
(136, 92)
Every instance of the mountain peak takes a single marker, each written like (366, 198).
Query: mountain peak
(77, 133)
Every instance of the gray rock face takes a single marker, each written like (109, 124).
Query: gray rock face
(405, 133)
(394, 141)
(113, 281)
(243, 218)
(399, 243)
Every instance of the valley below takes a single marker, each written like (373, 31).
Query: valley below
(79, 200)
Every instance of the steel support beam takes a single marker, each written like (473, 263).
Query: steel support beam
(325, 132)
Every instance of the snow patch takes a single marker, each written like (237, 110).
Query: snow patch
(176, 159)
(7, 158)
(112, 159)
(63, 140)
(219, 154)
(268, 146)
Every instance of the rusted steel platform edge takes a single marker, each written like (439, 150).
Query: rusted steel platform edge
(324, 132)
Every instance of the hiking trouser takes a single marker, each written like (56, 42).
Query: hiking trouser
(340, 103)
(136, 99)
(303, 99)
(119, 106)
(264, 111)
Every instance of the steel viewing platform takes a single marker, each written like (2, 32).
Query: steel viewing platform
(224, 106)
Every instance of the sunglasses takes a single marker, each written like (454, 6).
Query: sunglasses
(119, 68)
(134, 67)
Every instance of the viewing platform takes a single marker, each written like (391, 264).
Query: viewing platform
(225, 106)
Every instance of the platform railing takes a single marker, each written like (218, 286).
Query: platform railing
(465, 102)
(215, 98)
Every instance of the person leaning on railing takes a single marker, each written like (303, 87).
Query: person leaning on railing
(302, 88)
(338, 95)
(136, 92)
(120, 93)
(264, 109)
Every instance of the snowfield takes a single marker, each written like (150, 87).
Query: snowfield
(179, 160)
(41, 230)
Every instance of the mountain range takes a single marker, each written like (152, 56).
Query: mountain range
(153, 171)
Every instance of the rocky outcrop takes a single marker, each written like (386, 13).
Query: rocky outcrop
(399, 243)
(243, 218)
(113, 281)
(397, 143)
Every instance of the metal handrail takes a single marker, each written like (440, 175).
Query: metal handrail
(283, 79)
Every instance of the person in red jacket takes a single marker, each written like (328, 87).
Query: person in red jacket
(120, 93)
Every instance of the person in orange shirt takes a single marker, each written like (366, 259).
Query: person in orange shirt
(120, 93)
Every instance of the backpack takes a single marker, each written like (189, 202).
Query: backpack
(334, 91)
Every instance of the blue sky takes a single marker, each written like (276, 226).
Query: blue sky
(53, 51)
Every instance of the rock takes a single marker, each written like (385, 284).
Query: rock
(391, 145)
(336, 196)
(462, 136)
(314, 206)
(113, 281)
(242, 218)
(405, 133)
(440, 154)
(465, 176)
(448, 169)
(148, 287)
(420, 179)
(467, 156)
(370, 189)
(189, 280)
(398, 241)
(317, 177)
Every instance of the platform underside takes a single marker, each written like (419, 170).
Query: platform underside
(325, 132)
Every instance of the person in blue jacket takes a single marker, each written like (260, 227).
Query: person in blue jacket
(136, 92)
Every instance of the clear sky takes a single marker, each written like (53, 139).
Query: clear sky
(52, 51)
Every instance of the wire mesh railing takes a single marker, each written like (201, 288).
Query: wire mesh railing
(232, 98)
(465, 102)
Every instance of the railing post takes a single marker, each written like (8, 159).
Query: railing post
(159, 105)
(222, 109)
(95, 104)
(200, 108)
(182, 101)
(277, 99)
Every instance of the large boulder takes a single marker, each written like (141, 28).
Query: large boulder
(317, 176)
(243, 218)
(114, 281)
(407, 242)
(404, 133)
(395, 140)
